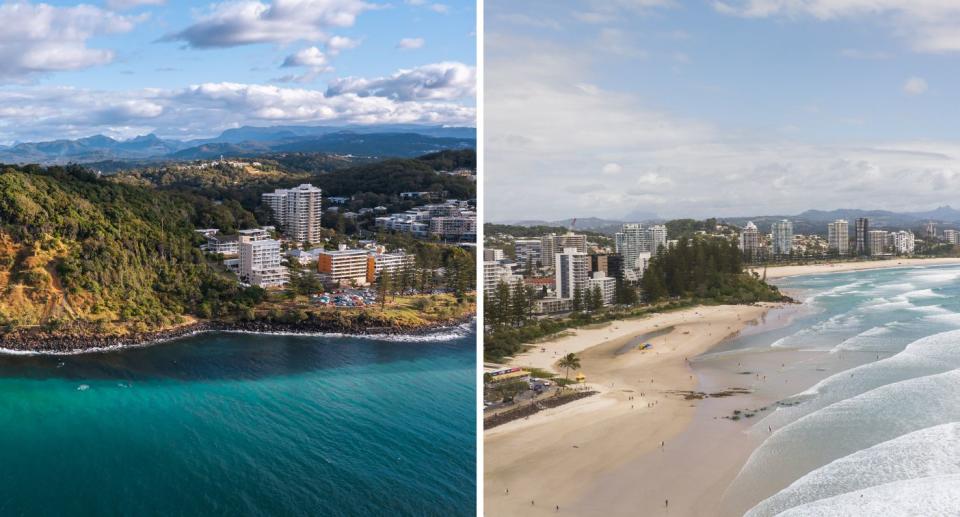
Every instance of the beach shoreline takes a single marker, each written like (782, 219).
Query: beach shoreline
(774, 272)
(545, 459)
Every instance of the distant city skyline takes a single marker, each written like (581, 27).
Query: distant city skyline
(184, 70)
(723, 109)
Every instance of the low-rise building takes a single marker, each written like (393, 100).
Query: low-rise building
(345, 266)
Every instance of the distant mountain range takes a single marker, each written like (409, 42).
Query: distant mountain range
(809, 222)
(400, 140)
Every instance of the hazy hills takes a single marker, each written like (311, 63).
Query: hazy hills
(808, 222)
(373, 141)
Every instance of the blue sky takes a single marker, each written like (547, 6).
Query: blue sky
(706, 108)
(191, 69)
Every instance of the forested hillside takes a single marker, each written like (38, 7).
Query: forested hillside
(118, 258)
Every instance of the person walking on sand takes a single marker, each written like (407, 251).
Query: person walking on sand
(506, 491)
(558, 508)
(666, 503)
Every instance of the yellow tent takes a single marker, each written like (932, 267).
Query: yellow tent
(581, 378)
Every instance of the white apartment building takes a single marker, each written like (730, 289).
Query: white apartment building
(750, 240)
(838, 237)
(458, 227)
(571, 269)
(222, 244)
(782, 237)
(494, 274)
(260, 260)
(298, 210)
(606, 284)
(951, 236)
(904, 242)
(392, 262)
(877, 242)
(494, 254)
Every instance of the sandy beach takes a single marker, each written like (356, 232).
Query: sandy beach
(551, 459)
(839, 267)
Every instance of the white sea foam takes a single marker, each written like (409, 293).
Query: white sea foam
(929, 496)
(848, 426)
(934, 451)
(926, 356)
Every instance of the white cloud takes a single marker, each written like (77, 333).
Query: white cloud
(437, 81)
(546, 131)
(440, 8)
(130, 4)
(929, 25)
(915, 86)
(410, 43)
(244, 22)
(202, 110)
(38, 38)
(310, 57)
(612, 168)
(339, 43)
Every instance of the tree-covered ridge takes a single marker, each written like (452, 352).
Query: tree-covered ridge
(381, 181)
(76, 249)
(704, 269)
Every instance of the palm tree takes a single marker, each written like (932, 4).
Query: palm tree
(569, 361)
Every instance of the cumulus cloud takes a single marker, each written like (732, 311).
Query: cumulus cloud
(310, 56)
(915, 86)
(202, 110)
(410, 43)
(39, 38)
(929, 25)
(339, 43)
(244, 22)
(437, 81)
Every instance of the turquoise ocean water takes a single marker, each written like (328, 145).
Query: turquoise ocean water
(878, 439)
(242, 424)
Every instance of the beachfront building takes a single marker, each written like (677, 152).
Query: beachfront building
(606, 284)
(610, 264)
(904, 242)
(527, 252)
(838, 237)
(861, 232)
(750, 240)
(552, 305)
(951, 236)
(781, 237)
(391, 262)
(260, 260)
(877, 242)
(571, 271)
(298, 210)
(345, 266)
(552, 244)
